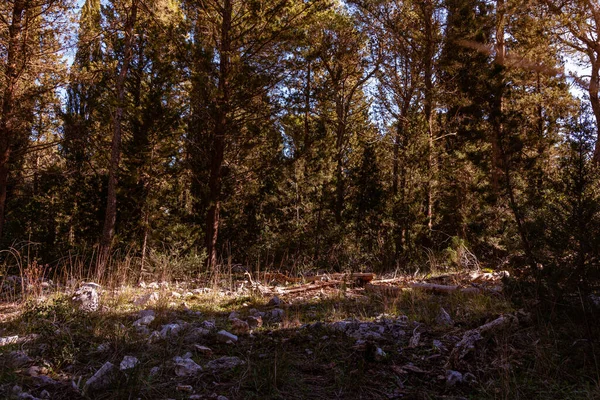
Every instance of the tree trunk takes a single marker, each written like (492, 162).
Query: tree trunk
(8, 100)
(595, 101)
(498, 99)
(428, 106)
(339, 171)
(108, 231)
(218, 141)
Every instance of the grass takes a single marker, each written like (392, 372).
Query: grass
(544, 358)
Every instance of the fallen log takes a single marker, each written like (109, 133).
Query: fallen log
(308, 287)
(396, 290)
(471, 337)
(358, 277)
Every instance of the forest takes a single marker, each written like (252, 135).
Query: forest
(429, 167)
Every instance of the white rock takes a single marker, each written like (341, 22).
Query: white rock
(8, 340)
(276, 315)
(210, 325)
(146, 299)
(146, 313)
(233, 315)
(453, 377)
(275, 301)
(128, 362)
(101, 379)
(144, 320)
(254, 322)
(444, 318)
(170, 330)
(205, 351)
(224, 363)
(102, 347)
(184, 388)
(86, 297)
(186, 366)
(379, 354)
(176, 295)
(154, 371)
(196, 335)
(239, 327)
(224, 336)
(414, 340)
(19, 358)
(255, 313)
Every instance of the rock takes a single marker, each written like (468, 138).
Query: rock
(205, 351)
(128, 362)
(341, 326)
(19, 359)
(144, 321)
(146, 299)
(276, 315)
(35, 371)
(222, 398)
(153, 285)
(185, 388)
(86, 297)
(154, 337)
(469, 378)
(102, 347)
(9, 340)
(453, 377)
(444, 318)
(27, 396)
(414, 340)
(154, 371)
(176, 295)
(224, 336)
(210, 325)
(379, 354)
(254, 322)
(437, 344)
(224, 363)
(255, 313)
(146, 313)
(233, 315)
(44, 394)
(143, 330)
(43, 380)
(239, 327)
(169, 330)
(186, 366)
(196, 335)
(275, 302)
(102, 379)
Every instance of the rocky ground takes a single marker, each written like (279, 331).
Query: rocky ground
(176, 341)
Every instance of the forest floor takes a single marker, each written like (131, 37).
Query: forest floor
(346, 341)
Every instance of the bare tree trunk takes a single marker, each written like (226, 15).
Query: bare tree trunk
(497, 105)
(218, 140)
(428, 106)
(108, 231)
(595, 101)
(339, 171)
(8, 99)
